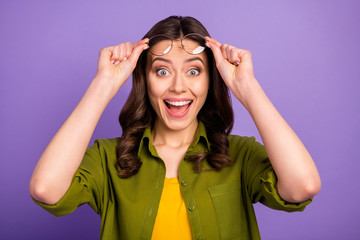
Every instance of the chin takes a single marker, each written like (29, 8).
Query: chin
(179, 124)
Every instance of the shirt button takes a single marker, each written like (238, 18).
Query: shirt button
(191, 208)
(184, 183)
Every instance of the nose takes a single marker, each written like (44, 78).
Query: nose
(178, 84)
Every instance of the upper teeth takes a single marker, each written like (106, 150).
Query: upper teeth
(180, 103)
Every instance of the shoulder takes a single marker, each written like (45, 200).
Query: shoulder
(108, 142)
(240, 145)
(237, 141)
(104, 146)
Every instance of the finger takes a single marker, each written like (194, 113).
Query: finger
(106, 53)
(122, 53)
(137, 49)
(217, 54)
(224, 50)
(128, 49)
(116, 54)
(245, 55)
(212, 41)
(105, 56)
(215, 48)
(234, 56)
(142, 42)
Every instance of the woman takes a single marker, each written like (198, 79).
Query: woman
(175, 173)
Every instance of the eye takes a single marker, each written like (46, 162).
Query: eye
(162, 72)
(194, 72)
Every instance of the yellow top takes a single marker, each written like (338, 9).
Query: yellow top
(172, 220)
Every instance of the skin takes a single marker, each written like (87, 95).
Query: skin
(298, 178)
(58, 163)
(176, 76)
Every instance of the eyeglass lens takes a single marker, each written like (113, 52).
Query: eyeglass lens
(192, 43)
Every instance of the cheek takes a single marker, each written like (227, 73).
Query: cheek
(156, 87)
(155, 93)
(153, 90)
(201, 88)
(151, 94)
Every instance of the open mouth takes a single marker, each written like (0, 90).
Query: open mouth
(178, 107)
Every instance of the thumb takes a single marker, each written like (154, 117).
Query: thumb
(137, 50)
(215, 48)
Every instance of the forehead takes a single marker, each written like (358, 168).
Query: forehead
(177, 53)
(161, 43)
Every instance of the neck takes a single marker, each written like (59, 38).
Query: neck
(162, 135)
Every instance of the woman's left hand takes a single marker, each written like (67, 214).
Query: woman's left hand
(298, 178)
(235, 66)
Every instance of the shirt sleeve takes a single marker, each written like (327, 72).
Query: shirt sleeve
(261, 180)
(86, 186)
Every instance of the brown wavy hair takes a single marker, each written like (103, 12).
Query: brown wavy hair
(137, 113)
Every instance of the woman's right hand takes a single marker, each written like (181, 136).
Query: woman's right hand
(62, 157)
(116, 63)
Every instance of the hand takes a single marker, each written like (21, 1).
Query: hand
(116, 63)
(298, 178)
(235, 67)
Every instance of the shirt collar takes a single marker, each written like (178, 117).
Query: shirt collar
(200, 136)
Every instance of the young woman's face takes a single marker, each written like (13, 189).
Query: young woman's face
(177, 85)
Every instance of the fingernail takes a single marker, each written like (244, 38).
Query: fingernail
(207, 44)
(112, 61)
(125, 58)
(146, 47)
(116, 63)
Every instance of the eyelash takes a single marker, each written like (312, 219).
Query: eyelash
(195, 69)
(163, 69)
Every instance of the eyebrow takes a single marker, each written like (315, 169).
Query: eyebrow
(169, 61)
(194, 59)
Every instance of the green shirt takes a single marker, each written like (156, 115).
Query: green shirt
(219, 203)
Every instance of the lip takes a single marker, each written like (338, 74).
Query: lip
(177, 99)
(181, 114)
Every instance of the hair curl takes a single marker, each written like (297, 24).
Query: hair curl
(137, 113)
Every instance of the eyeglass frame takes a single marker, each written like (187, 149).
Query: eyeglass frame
(172, 41)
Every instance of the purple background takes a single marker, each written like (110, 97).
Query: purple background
(306, 57)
